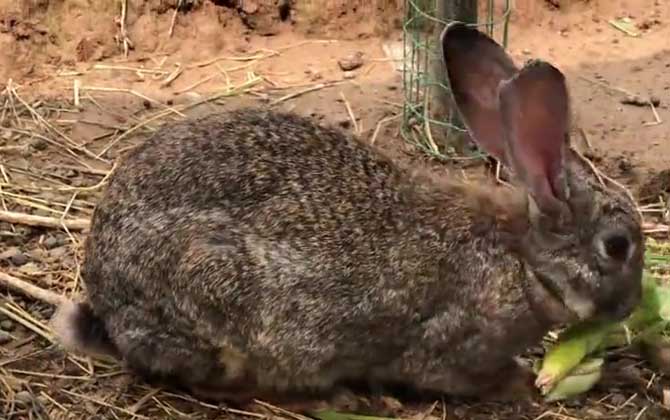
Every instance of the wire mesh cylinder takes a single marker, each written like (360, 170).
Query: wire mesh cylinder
(430, 121)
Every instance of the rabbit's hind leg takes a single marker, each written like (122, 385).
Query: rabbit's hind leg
(169, 357)
(504, 380)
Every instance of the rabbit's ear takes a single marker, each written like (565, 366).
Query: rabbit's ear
(476, 65)
(535, 114)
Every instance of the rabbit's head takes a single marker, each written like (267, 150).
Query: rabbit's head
(581, 240)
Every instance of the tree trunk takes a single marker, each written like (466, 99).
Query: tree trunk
(442, 105)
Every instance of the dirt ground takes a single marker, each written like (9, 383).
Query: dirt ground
(73, 103)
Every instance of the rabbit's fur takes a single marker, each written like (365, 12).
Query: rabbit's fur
(258, 251)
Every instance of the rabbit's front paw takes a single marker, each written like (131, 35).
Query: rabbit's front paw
(340, 399)
(515, 383)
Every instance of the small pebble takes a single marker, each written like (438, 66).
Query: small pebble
(192, 97)
(594, 413)
(5, 338)
(617, 400)
(391, 403)
(351, 62)
(23, 397)
(51, 242)
(7, 325)
(58, 252)
(26, 152)
(19, 259)
(344, 123)
(38, 144)
(313, 74)
(9, 252)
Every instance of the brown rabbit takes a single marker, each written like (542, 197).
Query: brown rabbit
(259, 252)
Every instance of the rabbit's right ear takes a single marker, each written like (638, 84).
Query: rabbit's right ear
(476, 65)
(535, 112)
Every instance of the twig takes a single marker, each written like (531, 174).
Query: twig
(162, 114)
(75, 88)
(655, 228)
(174, 18)
(379, 126)
(639, 415)
(6, 179)
(264, 53)
(127, 43)
(608, 86)
(623, 29)
(27, 321)
(41, 221)
(54, 402)
(138, 405)
(13, 148)
(629, 94)
(585, 139)
(48, 125)
(312, 88)
(176, 73)
(602, 177)
(104, 404)
(283, 411)
(31, 290)
(350, 112)
(127, 68)
(499, 179)
(426, 120)
(190, 399)
(196, 84)
(134, 93)
(231, 58)
(657, 118)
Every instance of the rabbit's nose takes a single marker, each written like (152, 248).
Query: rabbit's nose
(622, 302)
(624, 308)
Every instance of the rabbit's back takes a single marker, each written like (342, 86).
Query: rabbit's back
(245, 157)
(277, 175)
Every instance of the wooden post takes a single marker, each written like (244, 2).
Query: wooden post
(442, 106)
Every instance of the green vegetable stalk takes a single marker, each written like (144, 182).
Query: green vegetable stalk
(563, 372)
(575, 344)
(580, 380)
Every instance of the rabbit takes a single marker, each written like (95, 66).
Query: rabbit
(260, 253)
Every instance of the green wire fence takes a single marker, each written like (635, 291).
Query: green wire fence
(429, 119)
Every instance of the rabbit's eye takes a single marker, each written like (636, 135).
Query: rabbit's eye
(616, 246)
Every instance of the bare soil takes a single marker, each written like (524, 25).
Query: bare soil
(55, 153)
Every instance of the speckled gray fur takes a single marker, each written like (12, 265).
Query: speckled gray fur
(258, 249)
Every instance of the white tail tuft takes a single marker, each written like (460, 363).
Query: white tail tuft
(64, 323)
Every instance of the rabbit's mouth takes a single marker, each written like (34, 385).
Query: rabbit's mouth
(552, 289)
(548, 300)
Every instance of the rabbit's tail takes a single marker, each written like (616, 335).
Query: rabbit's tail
(78, 329)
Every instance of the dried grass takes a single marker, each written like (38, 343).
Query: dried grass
(41, 197)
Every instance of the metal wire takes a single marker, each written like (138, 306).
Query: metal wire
(420, 48)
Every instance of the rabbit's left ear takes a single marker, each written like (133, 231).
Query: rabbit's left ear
(535, 113)
(476, 65)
